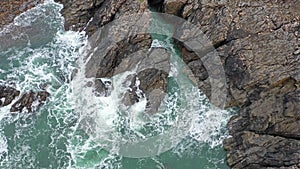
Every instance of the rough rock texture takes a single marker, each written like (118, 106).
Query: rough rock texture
(7, 95)
(259, 45)
(241, 46)
(89, 15)
(151, 77)
(9, 9)
(78, 13)
(114, 44)
(31, 100)
(174, 6)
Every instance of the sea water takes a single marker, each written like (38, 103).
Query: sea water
(76, 129)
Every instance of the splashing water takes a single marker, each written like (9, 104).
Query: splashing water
(76, 129)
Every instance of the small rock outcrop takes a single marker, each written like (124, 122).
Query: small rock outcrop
(7, 95)
(31, 100)
(151, 77)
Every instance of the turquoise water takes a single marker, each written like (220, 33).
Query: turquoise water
(56, 135)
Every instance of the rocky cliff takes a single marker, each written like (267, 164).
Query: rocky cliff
(258, 43)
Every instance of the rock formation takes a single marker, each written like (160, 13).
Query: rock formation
(89, 15)
(31, 100)
(7, 95)
(258, 42)
(116, 48)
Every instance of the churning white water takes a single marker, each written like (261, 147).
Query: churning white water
(78, 129)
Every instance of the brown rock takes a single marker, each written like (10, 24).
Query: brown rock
(174, 7)
(151, 77)
(78, 13)
(263, 151)
(8, 94)
(28, 99)
(12, 8)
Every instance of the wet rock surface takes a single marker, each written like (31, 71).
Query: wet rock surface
(101, 20)
(30, 100)
(9, 9)
(7, 95)
(148, 80)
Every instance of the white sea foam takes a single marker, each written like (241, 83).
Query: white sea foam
(74, 107)
(30, 67)
(3, 146)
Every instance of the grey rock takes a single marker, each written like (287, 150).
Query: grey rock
(258, 43)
